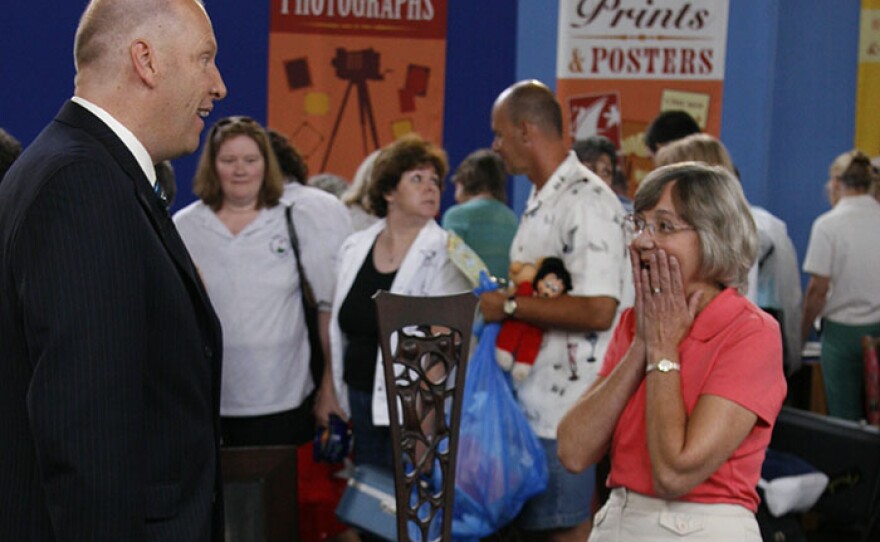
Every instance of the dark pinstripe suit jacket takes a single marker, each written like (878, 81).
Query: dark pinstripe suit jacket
(109, 352)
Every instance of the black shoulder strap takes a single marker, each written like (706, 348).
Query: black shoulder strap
(305, 286)
(310, 306)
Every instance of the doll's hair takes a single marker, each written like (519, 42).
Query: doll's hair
(553, 266)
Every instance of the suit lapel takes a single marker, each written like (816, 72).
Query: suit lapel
(73, 114)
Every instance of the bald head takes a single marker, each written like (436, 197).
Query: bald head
(532, 101)
(151, 65)
(527, 123)
(107, 28)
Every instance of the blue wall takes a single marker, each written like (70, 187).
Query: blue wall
(813, 107)
(789, 90)
(480, 60)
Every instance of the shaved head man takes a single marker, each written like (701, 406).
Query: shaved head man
(573, 215)
(110, 366)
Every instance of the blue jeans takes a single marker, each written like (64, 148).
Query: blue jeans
(568, 498)
(372, 444)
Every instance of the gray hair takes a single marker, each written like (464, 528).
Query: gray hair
(698, 148)
(711, 200)
(358, 190)
(329, 182)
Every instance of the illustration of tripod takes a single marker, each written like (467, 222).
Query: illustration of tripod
(357, 67)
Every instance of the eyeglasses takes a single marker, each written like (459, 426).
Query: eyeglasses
(215, 135)
(234, 119)
(633, 226)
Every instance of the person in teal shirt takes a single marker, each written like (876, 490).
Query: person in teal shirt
(481, 217)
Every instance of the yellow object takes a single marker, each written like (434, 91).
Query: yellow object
(317, 103)
(695, 103)
(867, 137)
(464, 257)
(401, 128)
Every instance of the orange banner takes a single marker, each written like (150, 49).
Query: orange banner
(349, 76)
(621, 63)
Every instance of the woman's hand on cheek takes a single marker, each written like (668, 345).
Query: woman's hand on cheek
(693, 302)
(638, 284)
(668, 314)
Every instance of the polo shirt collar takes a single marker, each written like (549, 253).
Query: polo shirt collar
(860, 200)
(717, 315)
(566, 174)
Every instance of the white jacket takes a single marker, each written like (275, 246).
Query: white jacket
(425, 271)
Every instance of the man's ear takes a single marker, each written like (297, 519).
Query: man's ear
(143, 59)
(525, 130)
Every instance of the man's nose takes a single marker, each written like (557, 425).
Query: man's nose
(218, 89)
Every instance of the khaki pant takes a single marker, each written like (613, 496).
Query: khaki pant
(630, 517)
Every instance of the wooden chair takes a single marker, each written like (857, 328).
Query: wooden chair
(267, 512)
(425, 343)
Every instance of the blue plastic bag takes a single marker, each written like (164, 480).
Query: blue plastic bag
(501, 463)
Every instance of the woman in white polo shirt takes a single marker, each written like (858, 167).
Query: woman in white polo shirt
(237, 236)
(844, 287)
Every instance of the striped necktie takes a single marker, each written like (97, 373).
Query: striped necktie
(160, 193)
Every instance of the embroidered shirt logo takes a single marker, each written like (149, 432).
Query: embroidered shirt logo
(279, 245)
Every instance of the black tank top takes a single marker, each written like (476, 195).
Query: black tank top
(358, 321)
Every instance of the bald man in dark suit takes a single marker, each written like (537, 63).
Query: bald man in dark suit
(110, 350)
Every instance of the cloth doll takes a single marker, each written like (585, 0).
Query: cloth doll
(519, 342)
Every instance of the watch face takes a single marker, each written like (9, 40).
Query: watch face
(664, 366)
(510, 307)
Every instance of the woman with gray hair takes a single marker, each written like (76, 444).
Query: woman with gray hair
(357, 197)
(774, 279)
(692, 381)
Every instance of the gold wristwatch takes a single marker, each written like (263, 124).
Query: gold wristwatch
(664, 366)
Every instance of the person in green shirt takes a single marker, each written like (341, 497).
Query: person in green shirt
(481, 216)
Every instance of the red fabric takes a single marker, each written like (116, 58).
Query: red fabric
(522, 340)
(734, 350)
(319, 493)
(872, 381)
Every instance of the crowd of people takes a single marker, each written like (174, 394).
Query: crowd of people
(661, 369)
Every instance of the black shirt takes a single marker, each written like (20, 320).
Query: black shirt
(359, 323)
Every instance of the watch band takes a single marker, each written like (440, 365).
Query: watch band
(663, 366)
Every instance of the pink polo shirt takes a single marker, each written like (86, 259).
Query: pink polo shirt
(733, 350)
